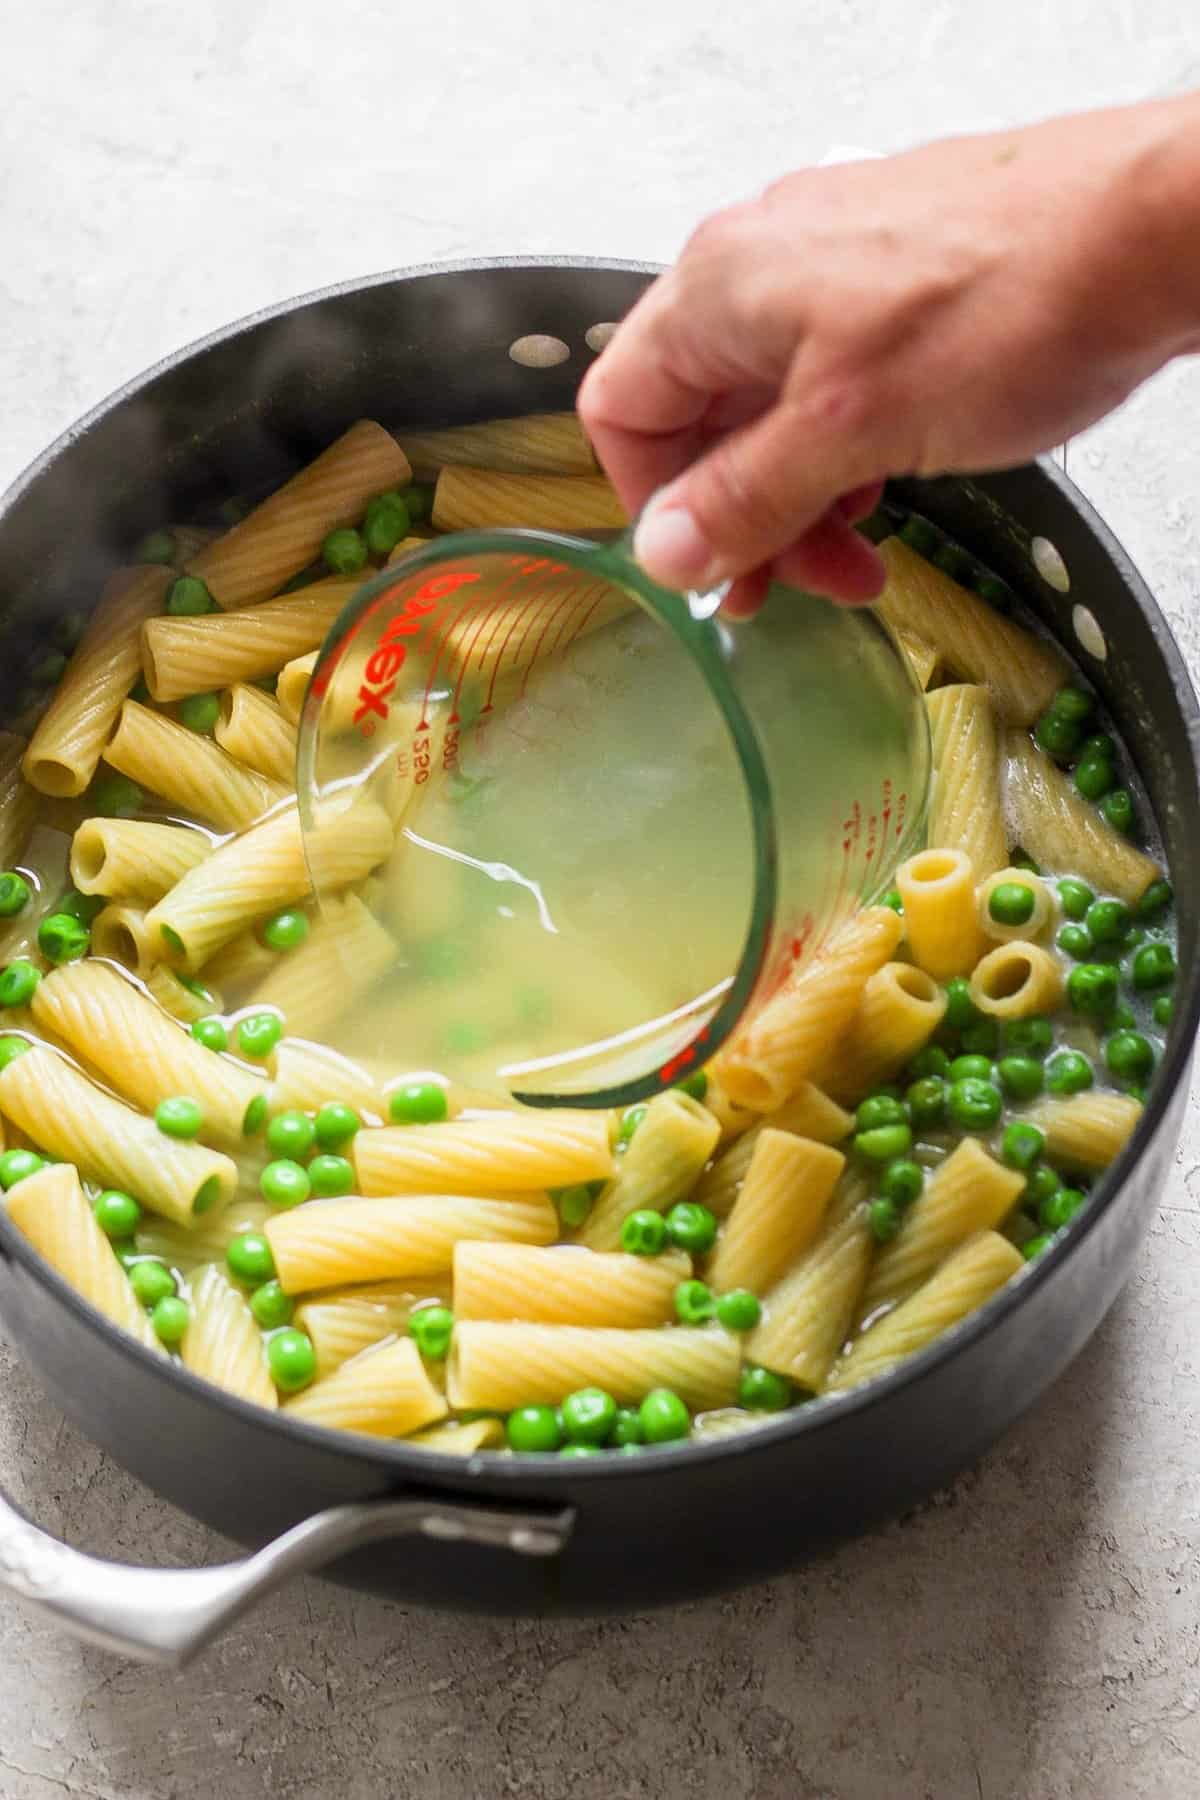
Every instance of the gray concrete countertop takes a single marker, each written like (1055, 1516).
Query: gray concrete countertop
(1031, 1635)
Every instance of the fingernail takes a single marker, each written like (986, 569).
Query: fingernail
(672, 548)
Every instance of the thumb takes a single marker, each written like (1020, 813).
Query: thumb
(754, 494)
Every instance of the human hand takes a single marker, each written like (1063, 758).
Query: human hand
(959, 307)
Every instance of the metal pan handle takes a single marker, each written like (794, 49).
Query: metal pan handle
(167, 1615)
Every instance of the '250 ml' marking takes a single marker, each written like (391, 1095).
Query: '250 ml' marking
(391, 652)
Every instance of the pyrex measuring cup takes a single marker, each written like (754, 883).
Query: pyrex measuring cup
(620, 819)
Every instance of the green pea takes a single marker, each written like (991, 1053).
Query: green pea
(973, 1104)
(170, 1318)
(574, 1204)
(902, 1181)
(1020, 1076)
(344, 551)
(83, 907)
(188, 598)
(574, 1450)
(431, 1327)
(631, 1118)
(1108, 921)
(644, 1233)
(1011, 903)
(211, 1033)
(249, 1258)
(883, 1217)
(418, 1103)
(284, 1183)
(1069, 1072)
(1059, 1208)
(997, 593)
(1021, 1144)
(1099, 744)
(258, 1034)
(1034, 1246)
(151, 1281)
(1073, 703)
(1121, 1018)
(115, 797)
(336, 1124)
(1041, 1183)
(627, 1432)
(533, 1428)
(884, 1142)
(739, 1310)
(271, 1306)
(694, 1303)
(588, 1416)
(291, 1359)
(1029, 1037)
(1129, 1055)
(961, 1011)
(331, 1176)
(118, 1215)
(954, 562)
(982, 1038)
(1094, 776)
(419, 500)
(18, 1165)
(1153, 967)
(12, 1047)
(1117, 808)
(62, 939)
(880, 1109)
(691, 1227)
(970, 1068)
(172, 939)
(663, 1417)
(1075, 897)
(1075, 941)
(1092, 988)
(919, 535)
(932, 1060)
(695, 1084)
(179, 1116)
(1020, 859)
(1155, 900)
(199, 712)
(255, 1115)
(287, 930)
(14, 894)
(892, 898)
(1057, 736)
(387, 521)
(291, 1134)
(926, 1101)
(155, 547)
(18, 982)
(1164, 1008)
(762, 1390)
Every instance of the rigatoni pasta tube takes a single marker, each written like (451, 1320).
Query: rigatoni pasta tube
(65, 1113)
(52, 1212)
(778, 1212)
(189, 770)
(566, 1285)
(537, 443)
(106, 1019)
(252, 728)
(1015, 980)
(184, 1001)
(806, 1318)
(899, 1012)
(1064, 832)
(810, 1113)
(940, 922)
(265, 868)
(969, 1192)
(665, 1155)
(1086, 1131)
(350, 1320)
(385, 1392)
(222, 1341)
(965, 808)
(976, 1271)
(285, 533)
(502, 1366)
(71, 734)
(468, 499)
(119, 933)
(455, 1439)
(501, 1153)
(1035, 926)
(924, 657)
(197, 655)
(292, 685)
(307, 1075)
(789, 1037)
(129, 859)
(327, 1243)
(977, 644)
(18, 801)
(343, 956)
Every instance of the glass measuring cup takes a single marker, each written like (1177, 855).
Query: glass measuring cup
(620, 819)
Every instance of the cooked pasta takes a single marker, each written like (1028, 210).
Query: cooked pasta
(343, 1322)
(537, 444)
(923, 656)
(468, 499)
(1086, 1131)
(565, 1285)
(500, 1153)
(940, 922)
(384, 1392)
(307, 1075)
(807, 1317)
(222, 1341)
(662, 1160)
(778, 1212)
(456, 1439)
(128, 859)
(183, 999)
(280, 537)
(188, 770)
(331, 1242)
(1063, 832)
(900, 1009)
(52, 1212)
(343, 956)
(198, 655)
(809, 1113)
(18, 801)
(204, 1241)
(966, 810)
(292, 685)
(1037, 914)
(502, 1366)
(69, 741)
(119, 933)
(1016, 980)
(254, 730)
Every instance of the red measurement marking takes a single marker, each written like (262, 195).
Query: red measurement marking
(487, 612)
(901, 810)
(390, 653)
